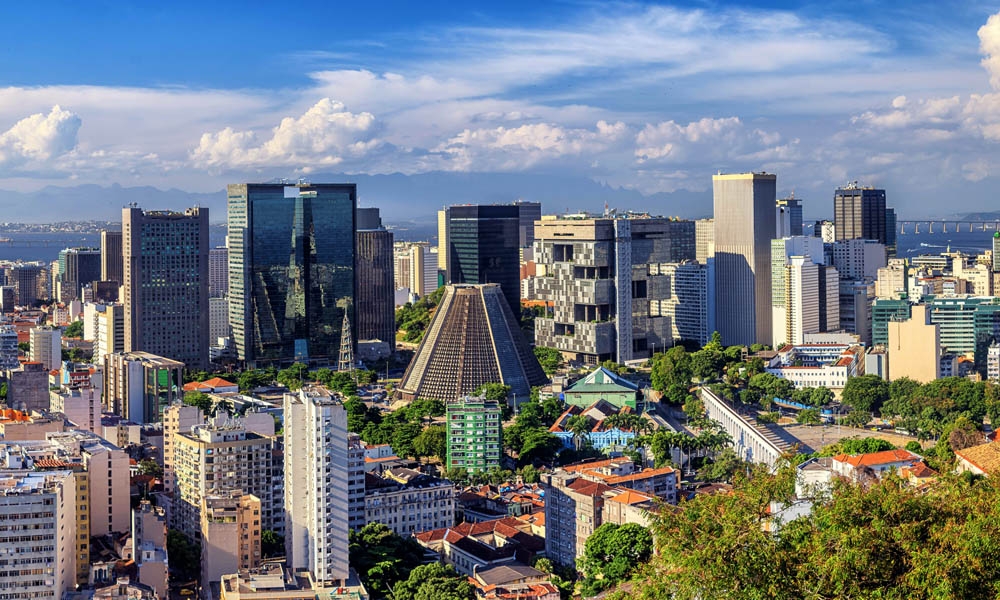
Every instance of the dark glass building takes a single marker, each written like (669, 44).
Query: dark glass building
(291, 270)
(484, 247)
(375, 305)
(78, 267)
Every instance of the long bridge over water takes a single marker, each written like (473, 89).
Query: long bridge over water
(943, 226)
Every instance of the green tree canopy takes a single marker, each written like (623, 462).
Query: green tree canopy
(612, 553)
(549, 358)
(431, 442)
(200, 400)
(382, 558)
(74, 330)
(433, 582)
(866, 393)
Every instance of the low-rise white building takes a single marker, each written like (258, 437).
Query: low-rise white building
(814, 365)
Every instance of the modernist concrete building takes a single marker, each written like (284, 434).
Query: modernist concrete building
(140, 386)
(744, 228)
(474, 434)
(316, 484)
(291, 270)
(166, 283)
(472, 339)
(606, 280)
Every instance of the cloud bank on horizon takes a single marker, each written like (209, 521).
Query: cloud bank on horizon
(653, 98)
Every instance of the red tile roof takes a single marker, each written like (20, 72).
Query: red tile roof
(877, 458)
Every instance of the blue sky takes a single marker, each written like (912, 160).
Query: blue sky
(650, 96)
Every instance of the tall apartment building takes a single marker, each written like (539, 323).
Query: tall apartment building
(230, 534)
(788, 217)
(483, 247)
(690, 304)
(355, 482)
(112, 263)
(46, 346)
(375, 307)
(401, 265)
(8, 348)
(219, 456)
(423, 274)
(165, 282)
(474, 434)
(316, 484)
(704, 240)
(110, 331)
(915, 347)
(993, 362)
(38, 510)
(291, 270)
(149, 546)
(599, 276)
(139, 386)
(177, 418)
(218, 272)
(744, 227)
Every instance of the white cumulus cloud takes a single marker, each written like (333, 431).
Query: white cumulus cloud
(510, 148)
(324, 135)
(39, 137)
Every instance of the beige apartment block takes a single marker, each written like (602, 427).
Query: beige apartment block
(915, 347)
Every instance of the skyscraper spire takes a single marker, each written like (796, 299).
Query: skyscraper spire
(346, 362)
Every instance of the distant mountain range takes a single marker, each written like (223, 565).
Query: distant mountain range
(402, 198)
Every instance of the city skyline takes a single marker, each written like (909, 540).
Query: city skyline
(734, 87)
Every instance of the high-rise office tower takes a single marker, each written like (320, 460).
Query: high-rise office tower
(29, 281)
(788, 217)
(291, 269)
(483, 247)
(744, 227)
(375, 306)
(858, 258)
(316, 484)
(112, 266)
(528, 213)
(77, 266)
(996, 252)
(166, 283)
(890, 232)
(704, 236)
(825, 230)
(443, 242)
(218, 272)
(800, 296)
(860, 213)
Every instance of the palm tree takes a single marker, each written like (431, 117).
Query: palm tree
(579, 426)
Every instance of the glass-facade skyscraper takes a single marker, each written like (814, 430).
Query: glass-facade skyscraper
(484, 247)
(291, 270)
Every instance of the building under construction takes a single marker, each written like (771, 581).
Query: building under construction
(472, 339)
